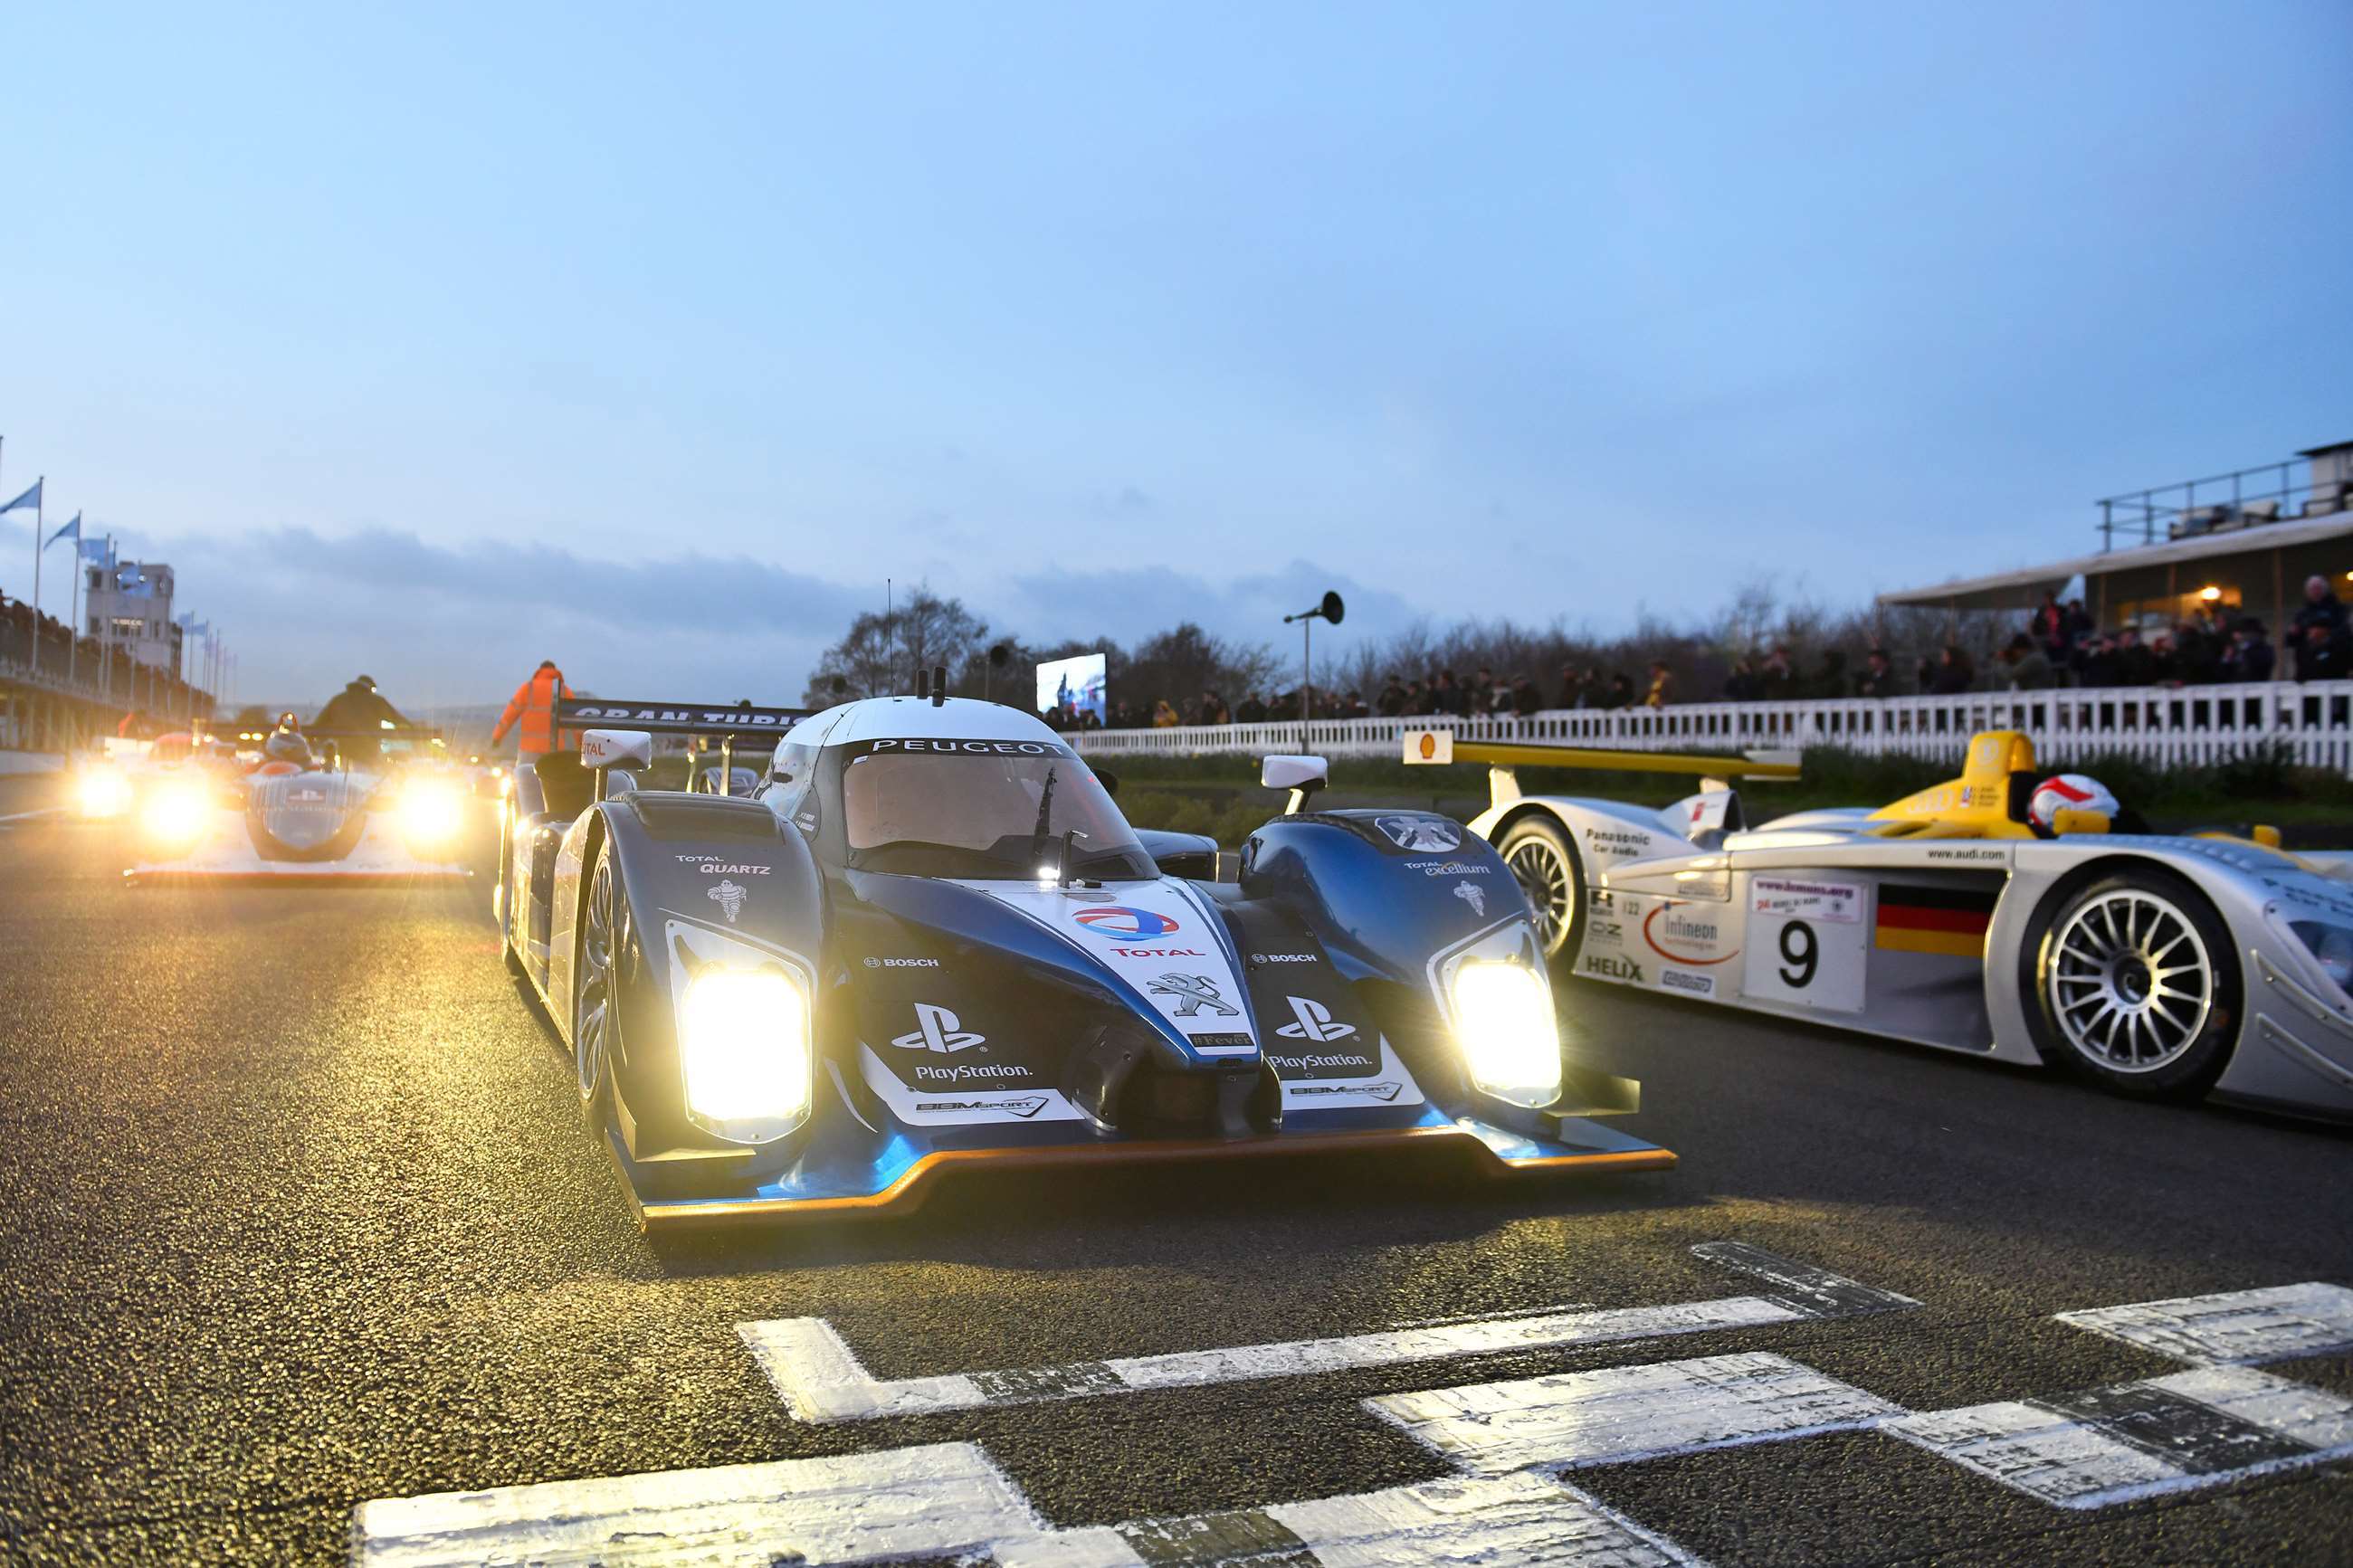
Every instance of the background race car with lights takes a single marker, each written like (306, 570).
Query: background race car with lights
(931, 940)
(335, 807)
(2004, 914)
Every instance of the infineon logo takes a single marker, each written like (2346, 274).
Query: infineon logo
(1127, 923)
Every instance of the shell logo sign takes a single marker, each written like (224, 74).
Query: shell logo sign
(1427, 746)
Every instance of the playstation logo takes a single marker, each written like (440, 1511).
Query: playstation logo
(1315, 1022)
(936, 1030)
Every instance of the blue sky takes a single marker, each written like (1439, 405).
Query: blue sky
(432, 340)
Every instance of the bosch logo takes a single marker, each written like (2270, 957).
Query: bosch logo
(1126, 923)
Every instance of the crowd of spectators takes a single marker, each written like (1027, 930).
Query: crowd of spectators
(2059, 645)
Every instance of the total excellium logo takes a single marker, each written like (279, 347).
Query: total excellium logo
(937, 1029)
(1127, 923)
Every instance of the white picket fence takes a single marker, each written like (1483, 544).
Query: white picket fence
(2169, 728)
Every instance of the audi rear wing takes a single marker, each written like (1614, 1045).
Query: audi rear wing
(725, 722)
(1503, 757)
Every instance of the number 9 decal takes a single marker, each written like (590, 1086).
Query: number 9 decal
(1801, 952)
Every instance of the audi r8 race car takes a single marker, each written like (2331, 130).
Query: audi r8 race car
(2004, 914)
(301, 816)
(931, 940)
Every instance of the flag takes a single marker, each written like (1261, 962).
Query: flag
(30, 498)
(97, 550)
(73, 527)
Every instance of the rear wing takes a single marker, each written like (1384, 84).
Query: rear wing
(726, 723)
(1439, 747)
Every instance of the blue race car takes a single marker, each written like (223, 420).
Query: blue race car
(931, 939)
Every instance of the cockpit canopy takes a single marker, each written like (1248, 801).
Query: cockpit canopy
(982, 808)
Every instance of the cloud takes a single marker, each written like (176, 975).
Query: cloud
(432, 623)
(1129, 603)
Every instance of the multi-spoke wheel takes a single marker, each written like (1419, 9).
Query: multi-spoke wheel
(604, 947)
(1544, 862)
(502, 899)
(2137, 984)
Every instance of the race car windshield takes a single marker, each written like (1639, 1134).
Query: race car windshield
(941, 814)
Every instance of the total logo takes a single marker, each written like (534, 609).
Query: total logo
(1313, 1021)
(305, 797)
(937, 1029)
(1127, 923)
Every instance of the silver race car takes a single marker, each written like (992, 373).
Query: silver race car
(2004, 914)
(371, 807)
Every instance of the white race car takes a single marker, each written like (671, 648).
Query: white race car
(300, 817)
(2004, 914)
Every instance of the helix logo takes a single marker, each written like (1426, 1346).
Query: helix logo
(937, 1029)
(1315, 1022)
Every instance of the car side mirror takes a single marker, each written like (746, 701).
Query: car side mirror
(602, 751)
(1303, 776)
(1108, 779)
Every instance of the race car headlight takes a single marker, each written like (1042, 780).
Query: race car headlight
(104, 792)
(1504, 1021)
(744, 1050)
(2332, 946)
(431, 812)
(175, 813)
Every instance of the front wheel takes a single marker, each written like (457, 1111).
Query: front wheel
(1544, 862)
(2136, 987)
(606, 938)
(503, 898)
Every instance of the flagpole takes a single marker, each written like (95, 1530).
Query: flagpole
(73, 614)
(38, 502)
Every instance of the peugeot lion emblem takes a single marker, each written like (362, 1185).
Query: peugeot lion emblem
(730, 899)
(1197, 991)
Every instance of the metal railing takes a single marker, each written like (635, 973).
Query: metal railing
(2216, 504)
(133, 686)
(2167, 727)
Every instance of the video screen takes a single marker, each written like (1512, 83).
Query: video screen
(1069, 687)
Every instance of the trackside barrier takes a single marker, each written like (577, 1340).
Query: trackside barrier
(2167, 727)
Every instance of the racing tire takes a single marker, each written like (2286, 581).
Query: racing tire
(504, 911)
(1536, 850)
(2132, 981)
(608, 937)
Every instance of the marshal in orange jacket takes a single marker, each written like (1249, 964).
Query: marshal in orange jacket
(534, 703)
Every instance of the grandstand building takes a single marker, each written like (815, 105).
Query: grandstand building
(2241, 543)
(130, 607)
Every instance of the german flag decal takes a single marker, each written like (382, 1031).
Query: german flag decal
(1950, 920)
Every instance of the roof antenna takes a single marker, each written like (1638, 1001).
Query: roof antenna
(939, 685)
(920, 692)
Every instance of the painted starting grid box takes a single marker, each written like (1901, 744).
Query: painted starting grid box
(1510, 1445)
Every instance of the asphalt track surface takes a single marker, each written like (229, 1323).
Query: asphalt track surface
(295, 1213)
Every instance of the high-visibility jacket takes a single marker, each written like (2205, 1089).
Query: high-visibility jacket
(533, 704)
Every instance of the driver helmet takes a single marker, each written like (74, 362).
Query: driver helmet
(2069, 792)
(285, 746)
